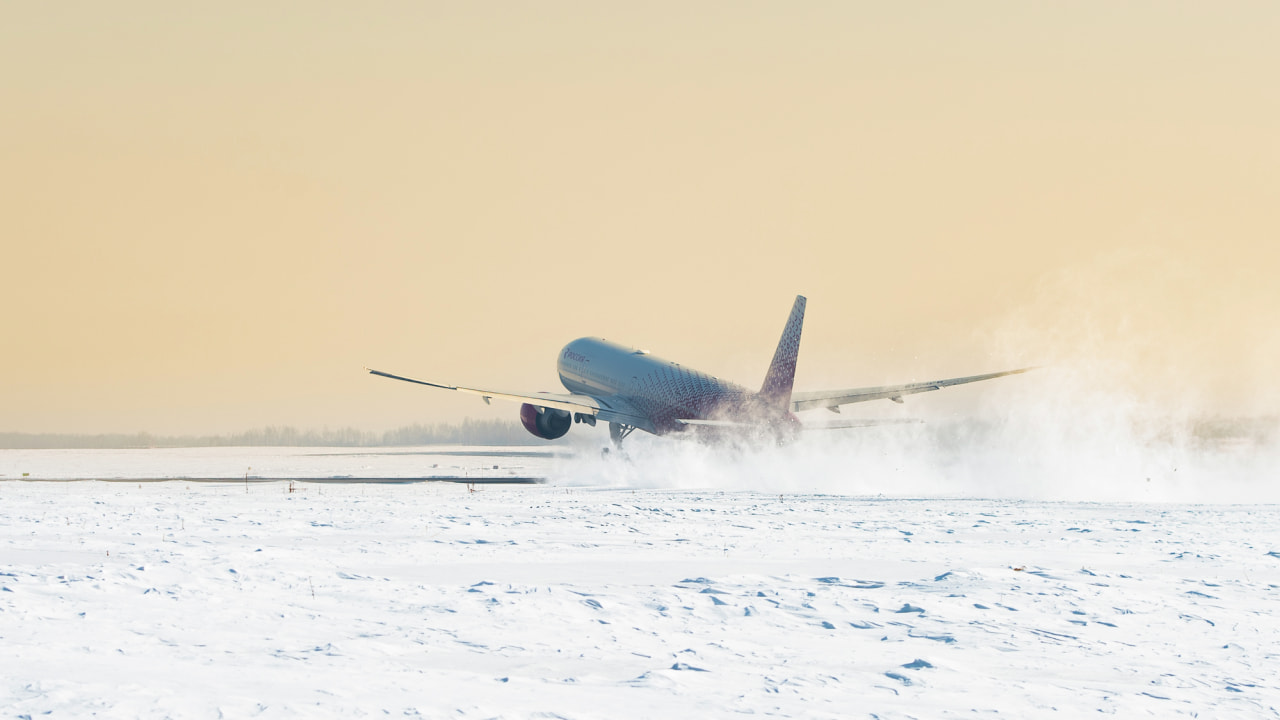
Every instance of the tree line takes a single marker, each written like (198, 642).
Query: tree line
(468, 432)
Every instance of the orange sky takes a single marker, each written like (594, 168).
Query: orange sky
(214, 216)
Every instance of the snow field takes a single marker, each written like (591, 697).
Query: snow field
(192, 599)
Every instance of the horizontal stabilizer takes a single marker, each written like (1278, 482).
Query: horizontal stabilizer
(845, 424)
(837, 425)
(716, 423)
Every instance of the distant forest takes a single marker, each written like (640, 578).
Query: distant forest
(469, 432)
(1260, 431)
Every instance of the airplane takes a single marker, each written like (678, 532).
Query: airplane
(631, 389)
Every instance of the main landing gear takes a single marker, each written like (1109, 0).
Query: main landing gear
(617, 432)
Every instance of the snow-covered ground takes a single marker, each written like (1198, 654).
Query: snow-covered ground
(199, 599)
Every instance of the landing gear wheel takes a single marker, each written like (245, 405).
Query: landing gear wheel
(613, 456)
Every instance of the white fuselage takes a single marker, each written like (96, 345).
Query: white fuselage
(661, 390)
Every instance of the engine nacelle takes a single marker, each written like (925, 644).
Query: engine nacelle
(546, 423)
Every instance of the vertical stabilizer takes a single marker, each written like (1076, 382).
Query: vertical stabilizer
(782, 371)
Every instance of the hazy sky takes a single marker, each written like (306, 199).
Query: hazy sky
(214, 215)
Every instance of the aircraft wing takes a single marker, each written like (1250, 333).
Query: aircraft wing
(833, 399)
(607, 409)
(837, 425)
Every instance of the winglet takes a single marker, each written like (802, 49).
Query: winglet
(782, 371)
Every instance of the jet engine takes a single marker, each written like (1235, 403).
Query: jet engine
(546, 423)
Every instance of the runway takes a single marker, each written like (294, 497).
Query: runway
(337, 479)
(446, 464)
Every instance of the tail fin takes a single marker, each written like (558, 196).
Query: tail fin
(782, 371)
